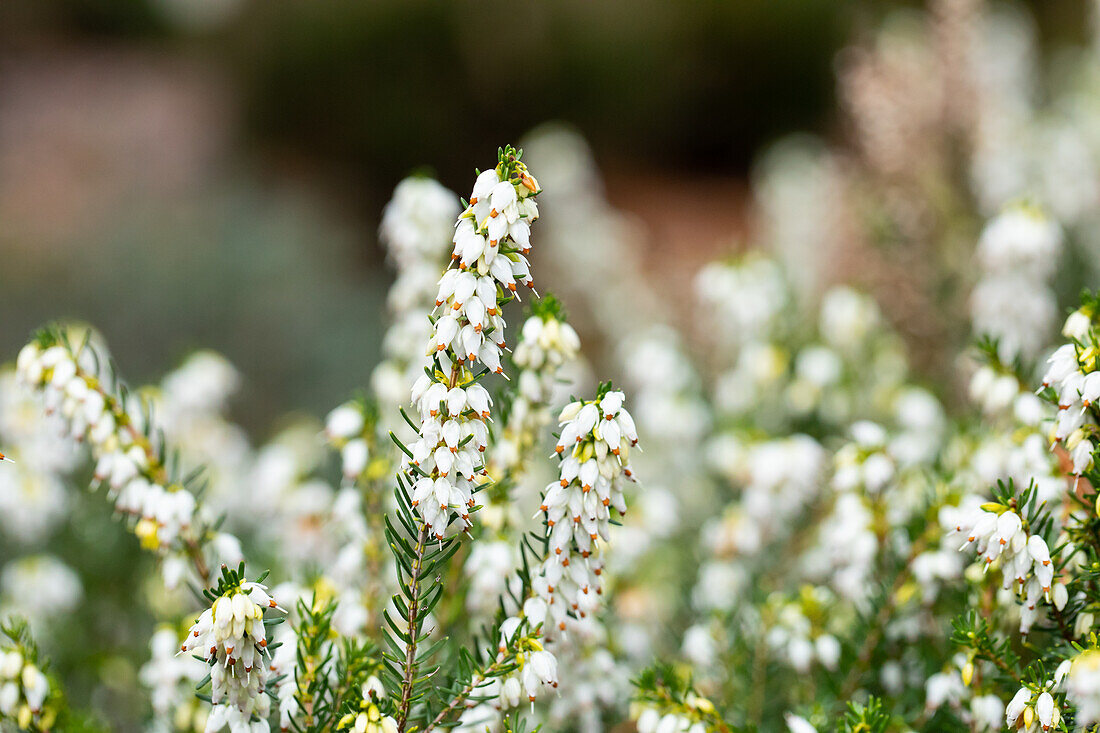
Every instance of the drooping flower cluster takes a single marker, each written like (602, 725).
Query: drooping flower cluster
(1036, 708)
(75, 385)
(594, 448)
(1073, 376)
(546, 344)
(1012, 302)
(233, 639)
(23, 690)
(491, 239)
(999, 535)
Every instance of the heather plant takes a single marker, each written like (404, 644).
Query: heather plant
(784, 514)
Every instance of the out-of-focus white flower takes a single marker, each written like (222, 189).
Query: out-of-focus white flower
(1012, 302)
(1083, 687)
(39, 586)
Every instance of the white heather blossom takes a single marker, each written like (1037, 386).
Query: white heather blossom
(743, 299)
(491, 239)
(546, 344)
(652, 721)
(1083, 687)
(847, 317)
(347, 429)
(39, 586)
(944, 688)
(126, 461)
(369, 720)
(777, 479)
(33, 498)
(797, 724)
(796, 639)
(1012, 302)
(170, 677)
(594, 448)
(1024, 558)
(23, 688)
(417, 228)
(232, 638)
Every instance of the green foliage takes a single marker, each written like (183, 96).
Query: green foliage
(867, 718)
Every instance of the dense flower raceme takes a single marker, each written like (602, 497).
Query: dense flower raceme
(491, 238)
(596, 439)
(232, 637)
(563, 595)
(1000, 535)
(129, 460)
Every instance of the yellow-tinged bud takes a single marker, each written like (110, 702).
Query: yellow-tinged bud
(146, 531)
(1029, 716)
(968, 673)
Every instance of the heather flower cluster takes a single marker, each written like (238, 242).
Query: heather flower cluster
(24, 689)
(491, 239)
(75, 383)
(232, 637)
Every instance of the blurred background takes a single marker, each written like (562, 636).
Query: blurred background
(218, 167)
